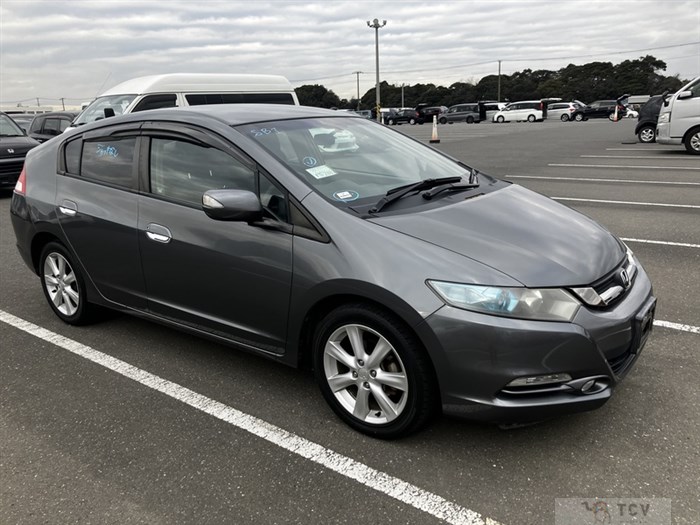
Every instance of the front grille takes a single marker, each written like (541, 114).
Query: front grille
(11, 169)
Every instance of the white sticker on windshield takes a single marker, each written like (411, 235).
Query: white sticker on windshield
(321, 172)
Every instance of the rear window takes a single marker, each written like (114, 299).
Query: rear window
(201, 99)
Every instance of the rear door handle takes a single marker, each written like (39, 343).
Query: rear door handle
(68, 208)
(158, 233)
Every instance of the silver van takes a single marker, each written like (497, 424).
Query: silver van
(187, 89)
(679, 119)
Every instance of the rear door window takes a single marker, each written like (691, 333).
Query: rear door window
(109, 160)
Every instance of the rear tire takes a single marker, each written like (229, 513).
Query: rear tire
(64, 286)
(692, 142)
(647, 134)
(531, 118)
(470, 120)
(501, 119)
(391, 122)
(564, 118)
(412, 122)
(443, 120)
(578, 117)
(373, 371)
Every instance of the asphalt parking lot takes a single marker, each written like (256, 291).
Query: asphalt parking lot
(126, 421)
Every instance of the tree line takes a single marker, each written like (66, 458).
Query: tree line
(588, 82)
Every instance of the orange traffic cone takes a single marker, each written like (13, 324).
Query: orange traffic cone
(435, 139)
(615, 116)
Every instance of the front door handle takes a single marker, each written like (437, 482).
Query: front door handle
(158, 233)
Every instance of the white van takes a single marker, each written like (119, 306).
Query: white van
(183, 89)
(679, 119)
(530, 110)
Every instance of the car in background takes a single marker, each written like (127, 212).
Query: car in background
(562, 110)
(487, 109)
(401, 116)
(14, 145)
(648, 116)
(600, 109)
(48, 125)
(525, 110)
(468, 113)
(426, 113)
(366, 113)
(679, 118)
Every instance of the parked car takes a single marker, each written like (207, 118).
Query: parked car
(600, 109)
(530, 110)
(562, 110)
(48, 125)
(487, 109)
(392, 270)
(410, 116)
(679, 119)
(14, 145)
(648, 116)
(426, 113)
(468, 113)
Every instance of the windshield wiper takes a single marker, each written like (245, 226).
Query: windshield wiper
(453, 187)
(395, 194)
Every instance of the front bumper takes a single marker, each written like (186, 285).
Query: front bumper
(663, 134)
(479, 355)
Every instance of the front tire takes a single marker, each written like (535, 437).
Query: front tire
(470, 120)
(692, 142)
(443, 120)
(501, 119)
(391, 122)
(63, 285)
(412, 122)
(647, 134)
(373, 372)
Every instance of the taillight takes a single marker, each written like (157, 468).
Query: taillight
(21, 186)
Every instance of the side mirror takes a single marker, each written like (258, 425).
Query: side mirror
(685, 94)
(232, 205)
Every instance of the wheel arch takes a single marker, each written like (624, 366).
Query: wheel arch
(689, 132)
(322, 301)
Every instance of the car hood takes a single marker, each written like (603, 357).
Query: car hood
(523, 234)
(16, 146)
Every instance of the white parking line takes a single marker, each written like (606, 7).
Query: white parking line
(666, 243)
(592, 179)
(636, 157)
(678, 326)
(627, 202)
(641, 148)
(380, 481)
(609, 166)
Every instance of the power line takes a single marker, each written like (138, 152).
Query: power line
(600, 54)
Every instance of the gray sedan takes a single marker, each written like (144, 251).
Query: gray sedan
(407, 280)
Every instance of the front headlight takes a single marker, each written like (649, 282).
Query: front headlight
(664, 117)
(545, 304)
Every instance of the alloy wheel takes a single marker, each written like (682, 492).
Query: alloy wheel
(365, 374)
(61, 284)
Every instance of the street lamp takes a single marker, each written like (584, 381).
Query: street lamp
(376, 25)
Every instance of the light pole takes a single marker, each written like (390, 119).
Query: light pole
(376, 25)
(358, 73)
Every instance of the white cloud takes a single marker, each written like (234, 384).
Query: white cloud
(76, 49)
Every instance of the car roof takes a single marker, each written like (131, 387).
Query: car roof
(229, 114)
(201, 82)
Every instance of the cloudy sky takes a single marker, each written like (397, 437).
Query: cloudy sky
(76, 49)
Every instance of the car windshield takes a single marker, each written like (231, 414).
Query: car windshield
(8, 127)
(96, 110)
(351, 159)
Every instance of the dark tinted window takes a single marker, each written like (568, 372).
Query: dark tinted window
(110, 160)
(184, 171)
(52, 126)
(72, 153)
(239, 98)
(156, 102)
